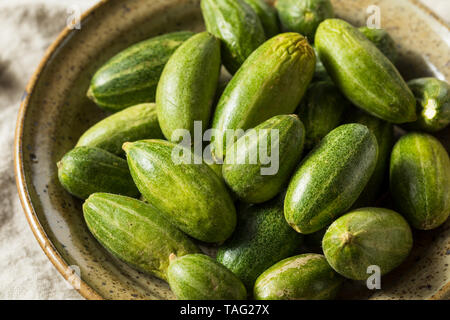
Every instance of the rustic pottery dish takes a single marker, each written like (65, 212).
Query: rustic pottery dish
(55, 112)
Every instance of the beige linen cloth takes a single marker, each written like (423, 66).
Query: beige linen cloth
(27, 28)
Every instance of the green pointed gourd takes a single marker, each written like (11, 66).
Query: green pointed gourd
(367, 238)
(135, 232)
(131, 76)
(331, 178)
(189, 193)
(199, 277)
(303, 277)
(131, 124)
(87, 170)
(187, 86)
(272, 81)
(365, 76)
(420, 180)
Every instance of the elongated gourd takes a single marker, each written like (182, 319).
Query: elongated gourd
(330, 178)
(131, 124)
(135, 232)
(189, 193)
(303, 277)
(364, 75)
(131, 76)
(187, 86)
(420, 180)
(86, 170)
(365, 238)
(199, 277)
(272, 81)
(261, 162)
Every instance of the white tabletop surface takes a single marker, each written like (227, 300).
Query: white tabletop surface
(27, 27)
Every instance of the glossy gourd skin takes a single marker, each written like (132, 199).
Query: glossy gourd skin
(191, 195)
(237, 25)
(321, 110)
(420, 180)
(331, 178)
(366, 237)
(262, 238)
(199, 277)
(260, 181)
(364, 75)
(188, 85)
(433, 104)
(131, 124)
(135, 232)
(131, 76)
(87, 170)
(303, 16)
(272, 81)
(303, 277)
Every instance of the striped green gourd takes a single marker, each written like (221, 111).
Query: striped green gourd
(199, 277)
(135, 232)
(367, 237)
(131, 124)
(187, 86)
(131, 76)
(420, 180)
(267, 15)
(303, 277)
(272, 81)
(190, 194)
(331, 178)
(364, 75)
(256, 176)
(86, 170)
(382, 40)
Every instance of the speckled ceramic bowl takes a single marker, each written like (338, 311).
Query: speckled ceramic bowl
(55, 112)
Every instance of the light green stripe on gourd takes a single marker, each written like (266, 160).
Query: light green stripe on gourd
(135, 232)
(272, 81)
(330, 178)
(267, 15)
(303, 277)
(420, 180)
(131, 124)
(187, 86)
(191, 195)
(199, 277)
(86, 170)
(367, 237)
(131, 76)
(364, 75)
(384, 132)
(237, 25)
(248, 180)
(433, 104)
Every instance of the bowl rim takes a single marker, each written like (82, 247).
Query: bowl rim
(47, 246)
